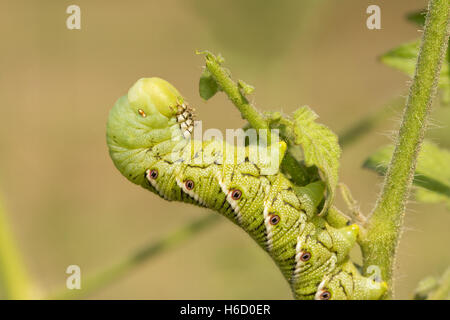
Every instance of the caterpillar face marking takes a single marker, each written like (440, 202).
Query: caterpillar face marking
(149, 138)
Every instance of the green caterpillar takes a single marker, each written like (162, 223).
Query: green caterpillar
(148, 134)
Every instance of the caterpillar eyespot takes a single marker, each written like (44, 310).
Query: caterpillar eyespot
(189, 184)
(325, 295)
(153, 174)
(161, 146)
(236, 194)
(274, 219)
(305, 256)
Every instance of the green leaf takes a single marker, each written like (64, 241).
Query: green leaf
(424, 287)
(432, 176)
(14, 279)
(293, 164)
(404, 58)
(320, 148)
(418, 17)
(208, 86)
(245, 87)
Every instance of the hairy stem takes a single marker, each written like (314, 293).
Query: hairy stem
(112, 273)
(379, 244)
(256, 120)
(232, 90)
(14, 281)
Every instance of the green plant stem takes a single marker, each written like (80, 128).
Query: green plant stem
(231, 89)
(110, 274)
(14, 280)
(379, 244)
(256, 120)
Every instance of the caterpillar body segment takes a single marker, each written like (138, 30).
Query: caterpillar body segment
(347, 281)
(149, 138)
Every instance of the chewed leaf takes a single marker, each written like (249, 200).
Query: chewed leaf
(404, 58)
(320, 148)
(379, 160)
(245, 87)
(432, 175)
(208, 86)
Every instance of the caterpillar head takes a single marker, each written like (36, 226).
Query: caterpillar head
(153, 96)
(156, 98)
(152, 120)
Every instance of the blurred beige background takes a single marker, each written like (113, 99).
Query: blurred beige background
(69, 205)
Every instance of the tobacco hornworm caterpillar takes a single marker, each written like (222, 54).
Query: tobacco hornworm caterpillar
(148, 136)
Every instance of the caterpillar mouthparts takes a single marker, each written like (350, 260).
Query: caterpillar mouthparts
(185, 117)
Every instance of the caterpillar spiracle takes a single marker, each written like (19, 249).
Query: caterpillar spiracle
(148, 135)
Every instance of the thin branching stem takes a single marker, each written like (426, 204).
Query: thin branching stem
(232, 90)
(115, 272)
